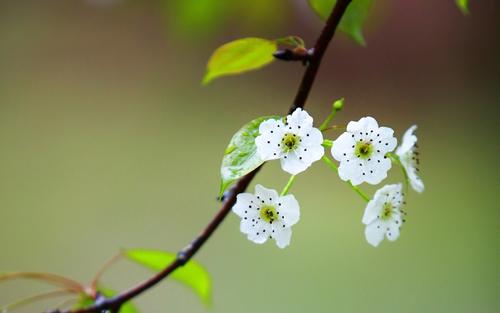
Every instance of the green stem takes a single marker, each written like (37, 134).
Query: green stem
(395, 159)
(334, 127)
(336, 106)
(332, 166)
(288, 185)
(105, 266)
(327, 143)
(327, 121)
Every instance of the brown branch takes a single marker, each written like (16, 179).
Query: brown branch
(318, 52)
(113, 304)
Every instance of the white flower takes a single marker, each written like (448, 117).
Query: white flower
(267, 215)
(408, 155)
(361, 151)
(383, 214)
(297, 143)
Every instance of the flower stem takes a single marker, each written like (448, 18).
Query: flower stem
(327, 143)
(288, 185)
(332, 166)
(105, 266)
(336, 106)
(395, 159)
(334, 127)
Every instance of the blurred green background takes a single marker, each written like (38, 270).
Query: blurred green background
(108, 140)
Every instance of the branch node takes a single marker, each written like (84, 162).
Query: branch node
(296, 54)
(182, 256)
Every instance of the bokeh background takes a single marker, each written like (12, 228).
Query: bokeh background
(108, 140)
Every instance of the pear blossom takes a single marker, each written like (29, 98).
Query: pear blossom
(265, 215)
(361, 151)
(296, 143)
(383, 215)
(408, 156)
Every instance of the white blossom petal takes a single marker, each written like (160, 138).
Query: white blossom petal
(408, 155)
(376, 170)
(372, 210)
(415, 181)
(365, 123)
(291, 163)
(283, 237)
(342, 147)
(271, 126)
(350, 172)
(269, 140)
(289, 210)
(264, 195)
(243, 201)
(310, 154)
(246, 226)
(311, 137)
(300, 119)
(392, 230)
(374, 233)
(409, 141)
(259, 234)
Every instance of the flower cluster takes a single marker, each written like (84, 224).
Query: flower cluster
(365, 152)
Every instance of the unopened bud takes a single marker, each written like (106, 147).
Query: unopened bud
(338, 104)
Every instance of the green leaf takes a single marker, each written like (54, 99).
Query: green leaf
(85, 301)
(463, 5)
(353, 19)
(191, 274)
(239, 56)
(196, 19)
(240, 157)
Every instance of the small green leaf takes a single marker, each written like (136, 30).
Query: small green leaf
(463, 5)
(239, 56)
(241, 154)
(353, 19)
(292, 41)
(191, 274)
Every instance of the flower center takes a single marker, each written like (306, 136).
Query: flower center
(387, 211)
(268, 214)
(363, 150)
(290, 142)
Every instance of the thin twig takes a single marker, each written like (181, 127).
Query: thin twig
(105, 266)
(187, 253)
(38, 297)
(50, 278)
